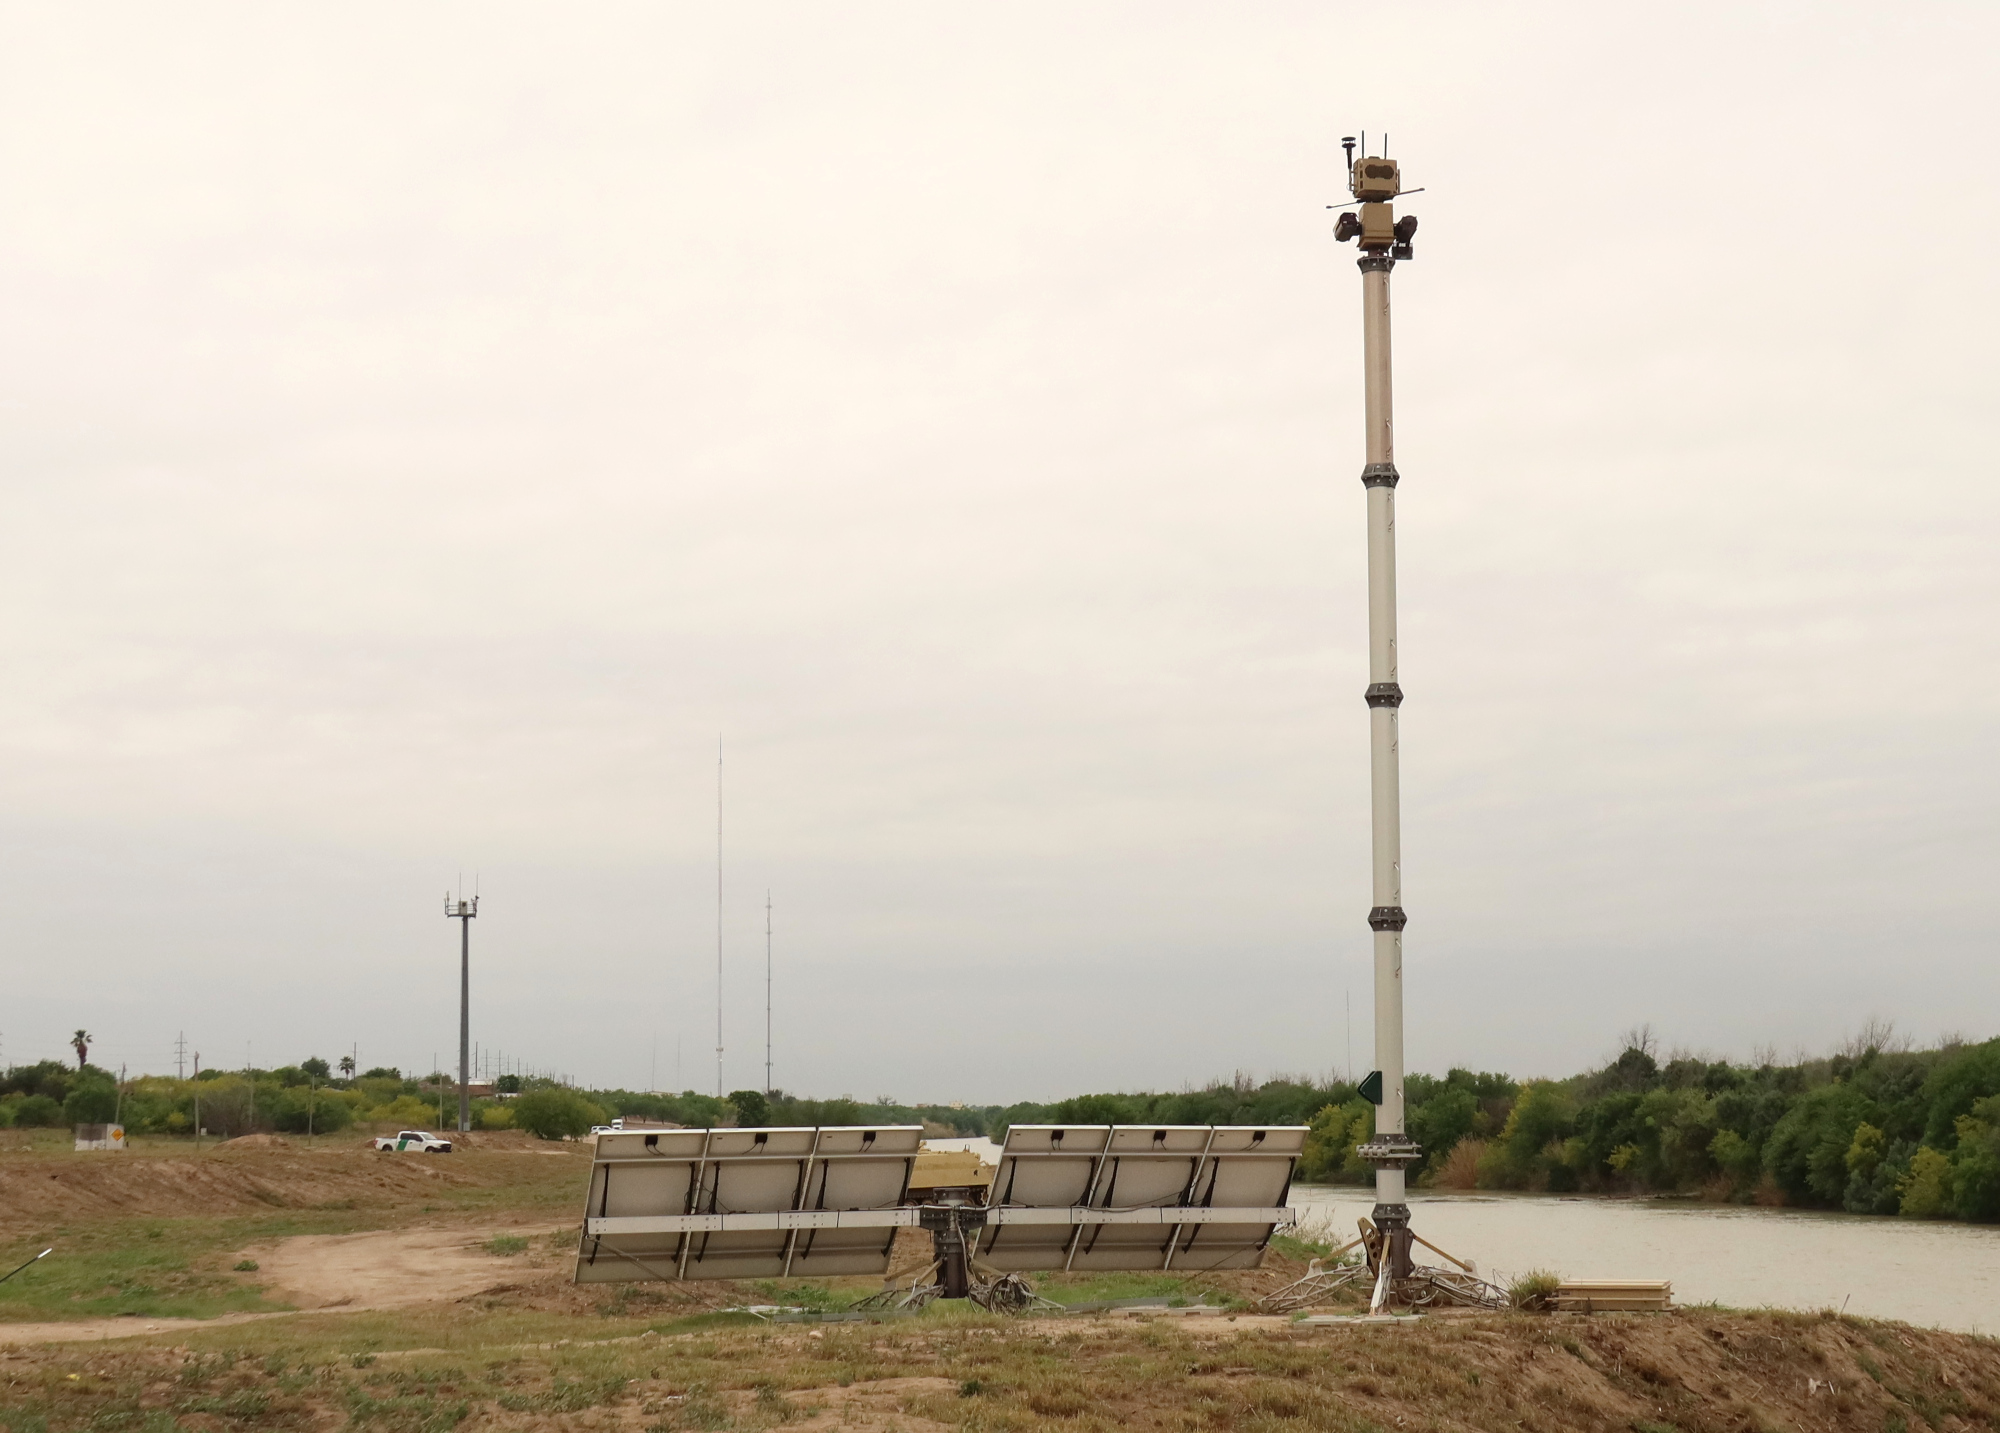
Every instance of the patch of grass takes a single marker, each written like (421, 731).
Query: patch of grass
(245, 1403)
(1299, 1246)
(1534, 1289)
(403, 1413)
(702, 1410)
(506, 1244)
(565, 1396)
(820, 1296)
(150, 1268)
(1097, 1288)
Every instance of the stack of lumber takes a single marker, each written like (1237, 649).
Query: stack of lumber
(1614, 1296)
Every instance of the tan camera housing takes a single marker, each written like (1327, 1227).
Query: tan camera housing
(1378, 226)
(1376, 179)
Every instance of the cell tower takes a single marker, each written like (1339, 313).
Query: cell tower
(1384, 239)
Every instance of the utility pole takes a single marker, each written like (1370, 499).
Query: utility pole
(1384, 239)
(464, 912)
(767, 994)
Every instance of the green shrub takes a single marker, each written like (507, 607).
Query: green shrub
(302, 1109)
(496, 1117)
(1807, 1151)
(752, 1109)
(1331, 1140)
(1533, 1150)
(38, 1112)
(406, 1110)
(1926, 1189)
(1734, 1155)
(91, 1104)
(45, 1077)
(1975, 1172)
(556, 1114)
(1440, 1122)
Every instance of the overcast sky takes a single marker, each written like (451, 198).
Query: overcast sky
(424, 431)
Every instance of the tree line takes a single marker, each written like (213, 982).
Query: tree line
(306, 1098)
(1873, 1130)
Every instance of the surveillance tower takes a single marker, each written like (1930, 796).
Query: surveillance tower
(1375, 183)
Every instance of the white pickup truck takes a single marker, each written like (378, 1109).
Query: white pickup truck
(414, 1139)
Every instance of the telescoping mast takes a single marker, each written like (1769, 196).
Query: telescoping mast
(1384, 239)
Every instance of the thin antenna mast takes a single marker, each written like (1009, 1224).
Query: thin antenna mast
(718, 917)
(767, 992)
(464, 912)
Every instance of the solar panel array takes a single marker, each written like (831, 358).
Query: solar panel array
(745, 1203)
(775, 1203)
(1101, 1197)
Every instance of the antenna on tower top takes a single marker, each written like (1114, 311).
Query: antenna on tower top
(1347, 143)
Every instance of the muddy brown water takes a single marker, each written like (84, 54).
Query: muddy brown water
(1936, 1274)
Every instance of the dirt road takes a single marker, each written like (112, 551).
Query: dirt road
(383, 1269)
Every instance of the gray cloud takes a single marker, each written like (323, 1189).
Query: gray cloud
(424, 433)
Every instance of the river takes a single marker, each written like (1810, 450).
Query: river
(1935, 1274)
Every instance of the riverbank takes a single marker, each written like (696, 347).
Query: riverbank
(460, 1366)
(333, 1287)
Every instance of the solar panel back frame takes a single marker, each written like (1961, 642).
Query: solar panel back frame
(638, 1175)
(1125, 1171)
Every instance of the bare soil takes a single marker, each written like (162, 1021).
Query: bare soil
(261, 1172)
(396, 1268)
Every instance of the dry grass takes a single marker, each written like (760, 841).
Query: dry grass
(956, 1369)
(1460, 1168)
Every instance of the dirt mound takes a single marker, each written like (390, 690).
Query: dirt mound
(1697, 1372)
(256, 1141)
(225, 1180)
(495, 1139)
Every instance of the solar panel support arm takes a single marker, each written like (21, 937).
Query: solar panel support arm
(1187, 1197)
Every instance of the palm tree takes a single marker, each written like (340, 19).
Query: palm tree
(80, 1042)
(347, 1066)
